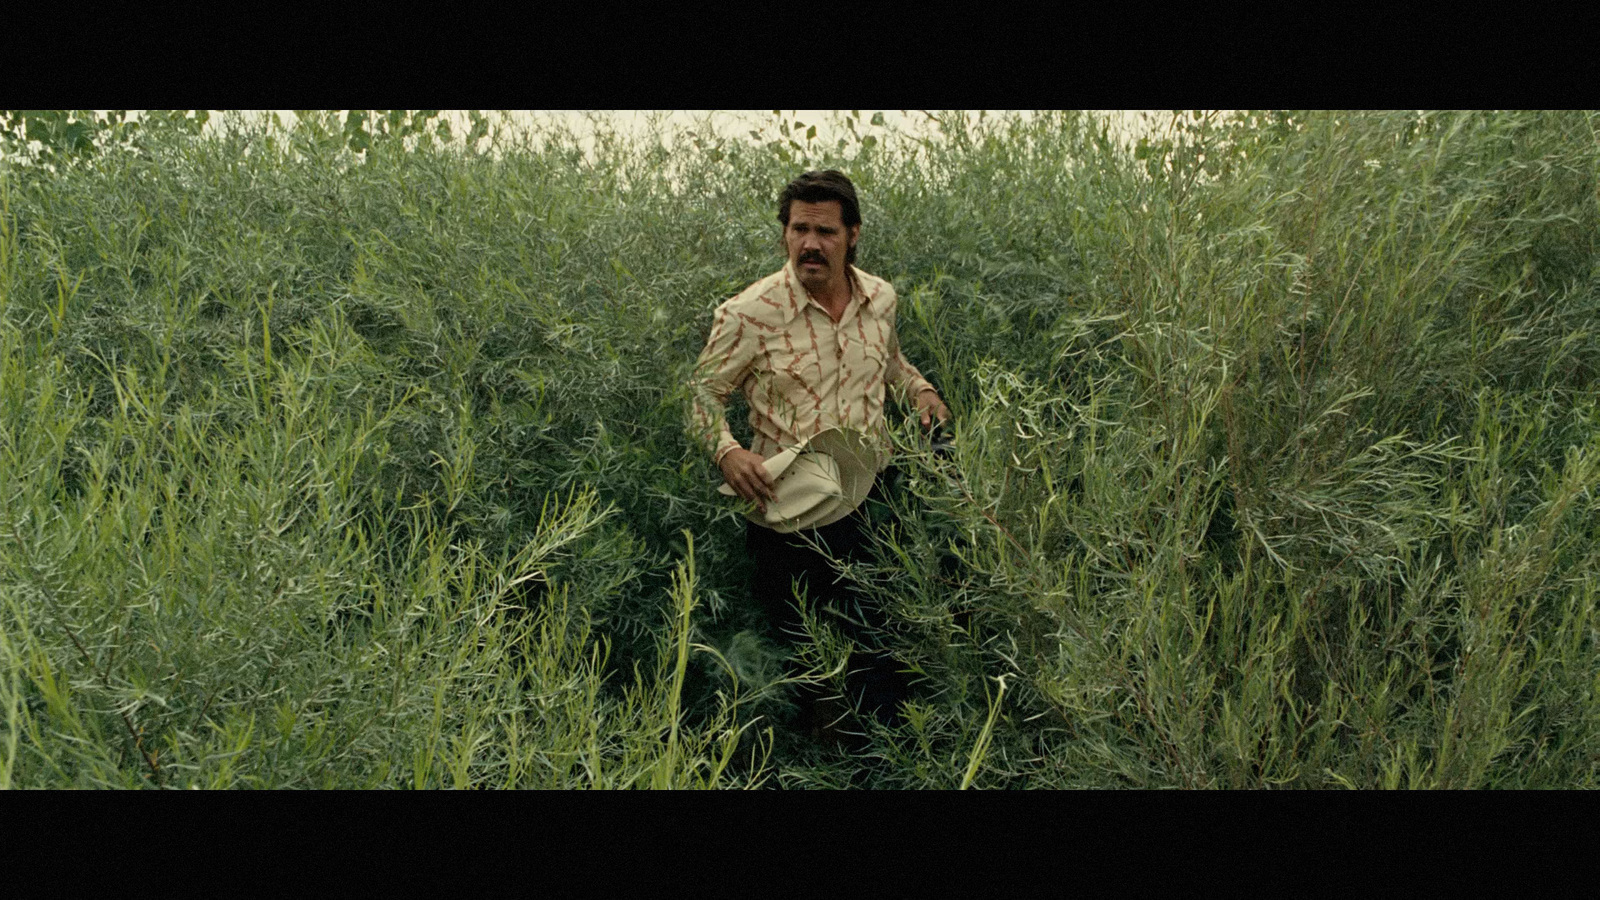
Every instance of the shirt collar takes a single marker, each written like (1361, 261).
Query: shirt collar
(795, 295)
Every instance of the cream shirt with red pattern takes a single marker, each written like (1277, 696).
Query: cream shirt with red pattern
(800, 371)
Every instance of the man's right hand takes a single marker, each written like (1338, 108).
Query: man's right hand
(745, 473)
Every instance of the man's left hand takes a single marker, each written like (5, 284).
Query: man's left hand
(930, 407)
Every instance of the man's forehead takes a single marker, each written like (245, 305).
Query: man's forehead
(828, 212)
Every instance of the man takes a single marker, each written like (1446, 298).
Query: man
(813, 346)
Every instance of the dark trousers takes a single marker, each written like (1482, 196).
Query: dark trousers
(873, 678)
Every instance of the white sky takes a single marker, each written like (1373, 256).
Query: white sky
(1128, 124)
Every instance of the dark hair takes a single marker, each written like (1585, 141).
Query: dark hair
(820, 187)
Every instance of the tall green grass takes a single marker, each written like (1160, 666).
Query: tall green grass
(339, 462)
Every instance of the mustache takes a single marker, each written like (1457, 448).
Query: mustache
(812, 257)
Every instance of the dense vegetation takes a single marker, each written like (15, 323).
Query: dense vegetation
(352, 453)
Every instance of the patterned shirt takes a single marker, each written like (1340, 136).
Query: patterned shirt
(800, 371)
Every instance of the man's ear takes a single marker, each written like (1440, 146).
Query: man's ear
(855, 234)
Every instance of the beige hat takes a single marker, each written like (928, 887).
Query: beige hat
(817, 483)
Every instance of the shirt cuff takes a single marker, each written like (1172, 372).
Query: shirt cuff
(723, 449)
(916, 387)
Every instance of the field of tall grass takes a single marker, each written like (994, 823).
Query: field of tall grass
(352, 453)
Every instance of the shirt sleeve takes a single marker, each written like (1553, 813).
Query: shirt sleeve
(901, 375)
(723, 365)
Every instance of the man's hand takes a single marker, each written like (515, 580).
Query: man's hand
(929, 407)
(746, 474)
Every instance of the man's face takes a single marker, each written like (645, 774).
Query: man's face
(818, 241)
